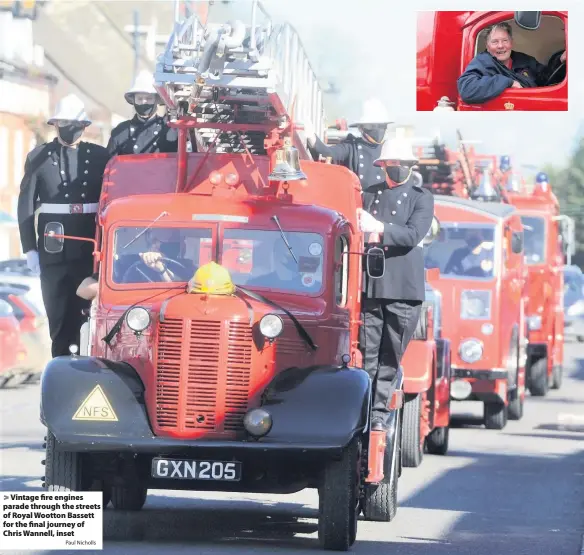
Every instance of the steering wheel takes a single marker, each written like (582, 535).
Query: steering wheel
(561, 66)
(140, 261)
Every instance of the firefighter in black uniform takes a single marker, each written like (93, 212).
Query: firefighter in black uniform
(146, 132)
(62, 179)
(401, 213)
(357, 153)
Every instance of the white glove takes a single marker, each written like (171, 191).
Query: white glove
(368, 224)
(309, 132)
(32, 261)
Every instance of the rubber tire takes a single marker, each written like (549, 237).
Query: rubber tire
(128, 498)
(380, 500)
(98, 485)
(515, 408)
(557, 377)
(339, 499)
(63, 469)
(437, 441)
(538, 379)
(495, 416)
(412, 444)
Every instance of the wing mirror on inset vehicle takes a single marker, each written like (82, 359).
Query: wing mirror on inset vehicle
(375, 262)
(433, 232)
(54, 237)
(530, 21)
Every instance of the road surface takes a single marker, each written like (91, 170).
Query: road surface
(519, 491)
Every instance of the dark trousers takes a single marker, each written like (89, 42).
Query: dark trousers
(59, 283)
(388, 327)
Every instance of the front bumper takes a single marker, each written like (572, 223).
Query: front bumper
(485, 385)
(316, 410)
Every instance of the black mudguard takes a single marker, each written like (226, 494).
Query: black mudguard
(313, 409)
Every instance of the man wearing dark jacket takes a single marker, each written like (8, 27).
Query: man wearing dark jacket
(401, 214)
(357, 153)
(490, 73)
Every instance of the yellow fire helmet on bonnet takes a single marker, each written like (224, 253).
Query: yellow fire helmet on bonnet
(212, 279)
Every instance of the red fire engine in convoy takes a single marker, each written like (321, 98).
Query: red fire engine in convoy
(248, 377)
(426, 366)
(549, 237)
(12, 351)
(447, 41)
(479, 259)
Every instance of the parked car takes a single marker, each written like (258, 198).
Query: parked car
(12, 350)
(32, 282)
(34, 328)
(15, 266)
(574, 302)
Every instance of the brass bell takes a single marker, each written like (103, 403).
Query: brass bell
(287, 166)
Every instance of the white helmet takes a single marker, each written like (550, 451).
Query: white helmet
(373, 113)
(70, 108)
(144, 83)
(398, 148)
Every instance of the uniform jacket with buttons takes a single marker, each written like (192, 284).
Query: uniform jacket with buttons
(406, 211)
(136, 136)
(357, 155)
(57, 174)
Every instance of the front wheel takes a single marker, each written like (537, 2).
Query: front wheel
(380, 500)
(495, 416)
(437, 441)
(515, 408)
(557, 377)
(128, 498)
(63, 469)
(412, 441)
(538, 378)
(339, 500)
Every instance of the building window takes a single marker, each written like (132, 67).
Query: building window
(4, 141)
(341, 270)
(18, 157)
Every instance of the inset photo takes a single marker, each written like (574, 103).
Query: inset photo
(492, 61)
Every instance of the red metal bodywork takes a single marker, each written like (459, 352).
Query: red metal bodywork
(446, 43)
(507, 310)
(12, 351)
(545, 284)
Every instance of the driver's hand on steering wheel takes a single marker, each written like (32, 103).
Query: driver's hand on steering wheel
(153, 260)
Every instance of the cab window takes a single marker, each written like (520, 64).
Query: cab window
(261, 259)
(546, 44)
(341, 270)
(534, 239)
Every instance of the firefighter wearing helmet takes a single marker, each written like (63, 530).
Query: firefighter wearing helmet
(146, 132)
(401, 214)
(62, 179)
(357, 153)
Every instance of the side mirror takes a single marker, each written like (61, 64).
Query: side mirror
(529, 21)
(517, 242)
(54, 245)
(375, 262)
(433, 232)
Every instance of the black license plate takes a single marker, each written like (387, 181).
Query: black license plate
(184, 469)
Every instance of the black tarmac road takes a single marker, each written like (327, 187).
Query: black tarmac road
(519, 491)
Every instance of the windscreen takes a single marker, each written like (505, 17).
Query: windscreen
(261, 259)
(463, 251)
(534, 248)
(159, 254)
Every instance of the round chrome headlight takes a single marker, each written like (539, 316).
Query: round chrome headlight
(460, 389)
(138, 319)
(271, 326)
(257, 422)
(471, 350)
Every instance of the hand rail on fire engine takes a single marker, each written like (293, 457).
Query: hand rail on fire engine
(253, 75)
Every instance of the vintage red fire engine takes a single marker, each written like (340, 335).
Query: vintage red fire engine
(12, 351)
(245, 377)
(479, 258)
(447, 41)
(549, 238)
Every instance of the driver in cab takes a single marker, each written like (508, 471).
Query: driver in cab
(474, 259)
(162, 262)
(491, 73)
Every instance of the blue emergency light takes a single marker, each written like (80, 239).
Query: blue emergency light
(505, 163)
(542, 178)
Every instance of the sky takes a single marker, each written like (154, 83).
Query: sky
(367, 48)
